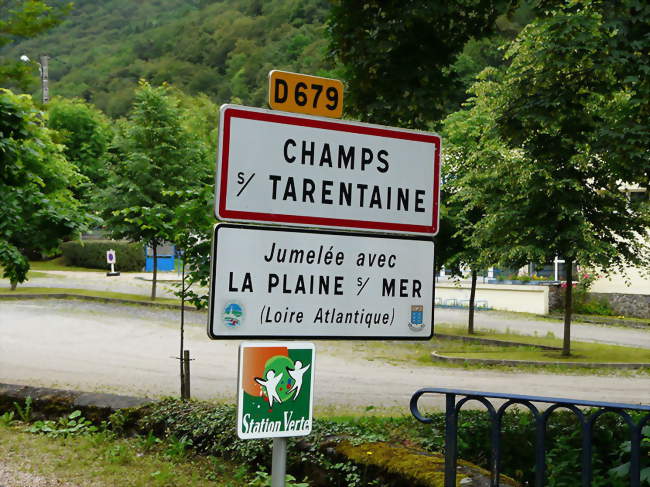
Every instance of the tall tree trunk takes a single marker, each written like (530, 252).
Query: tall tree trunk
(472, 297)
(155, 271)
(568, 308)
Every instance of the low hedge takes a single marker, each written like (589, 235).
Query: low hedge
(349, 451)
(92, 254)
(336, 453)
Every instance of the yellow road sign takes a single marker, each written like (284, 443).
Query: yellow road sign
(301, 93)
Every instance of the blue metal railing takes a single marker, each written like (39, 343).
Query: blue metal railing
(457, 398)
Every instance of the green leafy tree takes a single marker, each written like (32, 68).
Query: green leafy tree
(194, 218)
(85, 133)
(222, 49)
(397, 55)
(21, 20)
(466, 154)
(158, 160)
(37, 208)
(551, 186)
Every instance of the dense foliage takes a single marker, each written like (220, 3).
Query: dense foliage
(397, 56)
(92, 254)
(211, 430)
(158, 162)
(21, 20)
(534, 153)
(85, 133)
(37, 208)
(224, 49)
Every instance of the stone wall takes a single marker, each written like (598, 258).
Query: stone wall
(637, 305)
(555, 297)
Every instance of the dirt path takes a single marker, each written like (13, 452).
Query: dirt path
(11, 476)
(129, 349)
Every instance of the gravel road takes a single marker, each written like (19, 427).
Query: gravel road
(10, 476)
(139, 283)
(129, 350)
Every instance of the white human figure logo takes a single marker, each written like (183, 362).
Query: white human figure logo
(296, 374)
(270, 385)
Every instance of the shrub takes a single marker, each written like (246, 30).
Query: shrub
(594, 306)
(211, 430)
(92, 254)
(584, 303)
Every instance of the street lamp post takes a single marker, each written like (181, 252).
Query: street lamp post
(43, 70)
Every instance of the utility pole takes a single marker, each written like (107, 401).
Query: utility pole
(45, 89)
(45, 78)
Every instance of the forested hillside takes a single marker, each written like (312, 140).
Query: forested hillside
(224, 49)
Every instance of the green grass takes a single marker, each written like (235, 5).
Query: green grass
(577, 316)
(580, 352)
(549, 339)
(85, 292)
(103, 460)
(57, 264)
(419, 353)
(34, 274)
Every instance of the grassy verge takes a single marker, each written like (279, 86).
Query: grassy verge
(34, 274)
(101, 459)
(580, 352)
(57, 264)
(420, 353)
(207, 435)
(549, 339)
(85, 292)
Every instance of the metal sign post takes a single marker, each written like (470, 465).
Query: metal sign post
(111, 260)
(279, 462)
(308, 169)
(275, 396)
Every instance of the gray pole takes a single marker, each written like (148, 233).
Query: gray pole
(279, 462)
(45, 79)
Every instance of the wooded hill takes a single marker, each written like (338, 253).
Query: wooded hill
(224, 49)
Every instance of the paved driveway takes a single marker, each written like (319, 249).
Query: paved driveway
(129, 349)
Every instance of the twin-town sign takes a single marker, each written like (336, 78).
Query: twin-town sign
(302, 170)
(288, 283)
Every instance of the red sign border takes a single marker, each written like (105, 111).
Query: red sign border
(222, 213)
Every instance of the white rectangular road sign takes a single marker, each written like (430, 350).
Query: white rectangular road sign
(309, 171)
(290, 283)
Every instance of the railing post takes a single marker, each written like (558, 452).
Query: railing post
(496, 450)
(451, 438)
(540, 451)
(541, 422)
(586, 453)
(635, 455)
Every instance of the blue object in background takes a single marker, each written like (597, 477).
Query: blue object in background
(166, 258)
